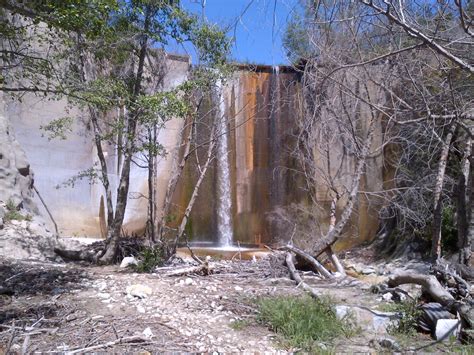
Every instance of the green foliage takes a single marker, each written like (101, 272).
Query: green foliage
(149, 259)
(295, 39)
(449, 232)
(58, 128)
(91, 175)
(12, 213)
(408, 323)
(302, 322)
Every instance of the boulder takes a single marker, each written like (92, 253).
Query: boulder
(139, 291)
(127, 261)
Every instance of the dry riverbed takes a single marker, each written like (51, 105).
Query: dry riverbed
(61, 308)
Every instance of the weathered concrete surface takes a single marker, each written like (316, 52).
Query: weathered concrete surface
(76, 209)
(263, 106)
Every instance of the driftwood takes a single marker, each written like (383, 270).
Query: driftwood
(335, 260)
(317, 266)
(429, 283)
(296, 276)
(437, 292)
(202, 269)
(77, 255)
(131, 339)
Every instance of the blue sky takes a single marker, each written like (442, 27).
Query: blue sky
(258, 26)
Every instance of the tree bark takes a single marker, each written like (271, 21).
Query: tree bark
(429, 283)
(437, 194)
(463, 214)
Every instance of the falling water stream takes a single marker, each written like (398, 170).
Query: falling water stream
(224, 203)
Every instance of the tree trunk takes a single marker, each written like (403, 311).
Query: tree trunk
(93, 115)
(437, 194)
(124, 185)
(150, 223)
(334, 232)
(463, 213)
(173, 182)
(194, 195)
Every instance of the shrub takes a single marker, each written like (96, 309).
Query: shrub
(12, 213)
(150, 258)
(302, 322)
(408, 323)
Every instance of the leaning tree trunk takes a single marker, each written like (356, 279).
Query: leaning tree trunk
(437, 194)
(194, 195)
(173, 182)
(334, 233)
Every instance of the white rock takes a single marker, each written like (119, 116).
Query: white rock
(387, 296)
(188, 281)
(140, 291)
(446, 328)
(103, 295)
(238, 288)
(147, 333)
(341, 311)
(140, 309)
(127, 261)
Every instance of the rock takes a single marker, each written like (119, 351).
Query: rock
(446, 328)
(238, 288)
(127, 261)
(140, 291)
(1, 222)
(140, 309)
(147, 333)
(388, 343)
(387, 296)
(368, 271)
(368, 320)
(188, 281)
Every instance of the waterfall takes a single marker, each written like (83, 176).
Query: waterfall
(224, 202)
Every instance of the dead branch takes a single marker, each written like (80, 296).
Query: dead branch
(131, 339)
(317, 266)
(296, 276)
(429, 283)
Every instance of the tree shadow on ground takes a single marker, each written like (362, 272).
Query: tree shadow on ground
(24, 279)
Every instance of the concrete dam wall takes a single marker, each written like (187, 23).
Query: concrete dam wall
(253, 174)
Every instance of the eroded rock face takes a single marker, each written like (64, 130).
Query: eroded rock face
(16, 176)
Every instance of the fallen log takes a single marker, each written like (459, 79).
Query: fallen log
(297, 278)
(429, 283)
(317, 266)
(76, 255)
(438, 293)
